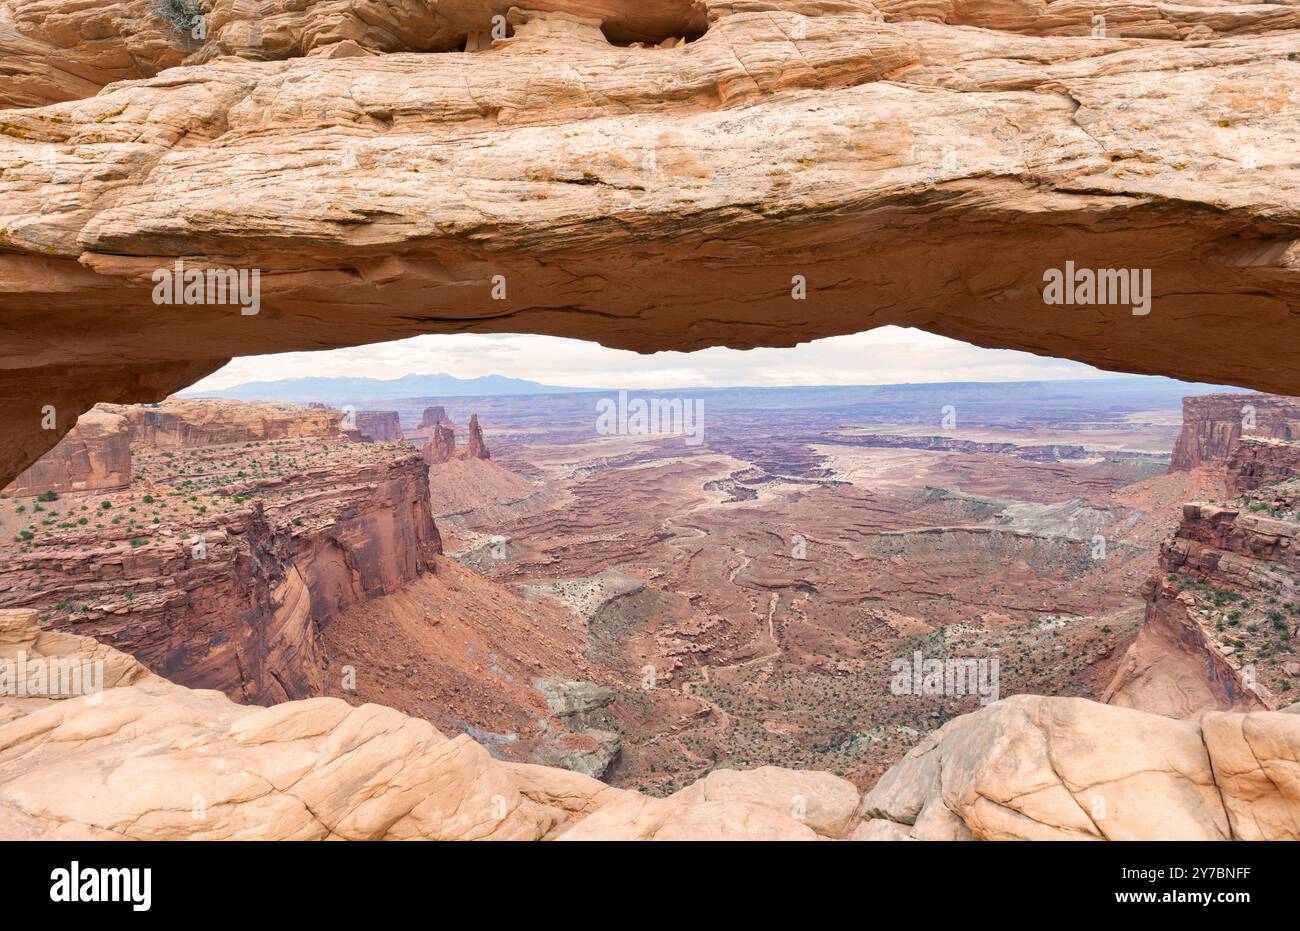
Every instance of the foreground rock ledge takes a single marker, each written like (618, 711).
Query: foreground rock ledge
(153, 760)
(914, 166)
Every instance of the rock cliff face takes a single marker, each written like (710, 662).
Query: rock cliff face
(1256, 463)
(178, 423)
(219, 567)
(1222, 624)
(94, 456)
(199, 766)
(1213, 423)
(441, 445)
(56, 51)
(433, 416)
(560, 181)
(475, 448)
(379, 426)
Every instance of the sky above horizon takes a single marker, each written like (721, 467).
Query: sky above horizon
(888, 355)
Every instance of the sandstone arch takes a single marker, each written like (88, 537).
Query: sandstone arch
(918, 165)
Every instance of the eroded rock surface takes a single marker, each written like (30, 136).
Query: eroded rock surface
(440, 446)
(94, 456)
(149, 759)
(1036, 768)
(433, 416)
(219, 566)
(1222, 623)
(557, 181)
(180, 423)
(1214, 423)
(475, 448)
(379, 426)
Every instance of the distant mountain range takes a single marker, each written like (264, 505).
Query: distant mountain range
(337, 390)
(1131, 392)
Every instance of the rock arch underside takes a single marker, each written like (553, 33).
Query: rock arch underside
(650, 174)
(917, 163)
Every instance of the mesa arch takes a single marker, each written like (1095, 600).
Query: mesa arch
(917, 164)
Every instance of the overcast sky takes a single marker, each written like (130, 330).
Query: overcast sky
(883, 356)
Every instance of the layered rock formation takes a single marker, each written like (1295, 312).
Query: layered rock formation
(1222, 623)
(1035, 768)
(1255, 463)
(180, 423)
(433, 416)
(441, 445)
(475, 448)
(193, 764)
(220, 566)
(379, 426)
(557, 181)
(53, 50)
(1032, 453)
(462, 652)
(94, 456)
(563, 182)
(1213, 423)
(29, 401)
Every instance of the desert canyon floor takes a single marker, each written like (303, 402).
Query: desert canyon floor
(989, 610)
(540, 631)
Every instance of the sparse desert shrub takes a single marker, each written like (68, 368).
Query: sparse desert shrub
(181, 14)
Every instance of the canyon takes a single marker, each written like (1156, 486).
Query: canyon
(709, 632)
(1222, 623)
(237, 536)
(949, 611)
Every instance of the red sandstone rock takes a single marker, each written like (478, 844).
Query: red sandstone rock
(1026, 767)
(573, 162)
(292, 531)
(475, 448)
(183, 423)
(1213, 423)
(441, 446)
(437, 414)
(1221, 628)
(1259, 462)
(379, 426)
(94, 456)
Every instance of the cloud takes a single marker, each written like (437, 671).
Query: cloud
(888, 355)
